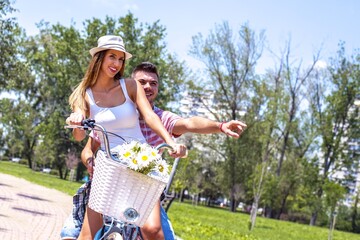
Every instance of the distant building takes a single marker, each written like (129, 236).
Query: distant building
(190, 106)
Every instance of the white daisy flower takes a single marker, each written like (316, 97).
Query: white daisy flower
(133, 164)
(162, 167)
(143, 158)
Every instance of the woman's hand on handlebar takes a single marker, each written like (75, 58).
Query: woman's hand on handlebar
(178, 151)
(75, 118)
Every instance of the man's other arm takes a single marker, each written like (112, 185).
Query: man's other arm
(201, 125)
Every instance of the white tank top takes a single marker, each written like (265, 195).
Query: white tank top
(122, 120)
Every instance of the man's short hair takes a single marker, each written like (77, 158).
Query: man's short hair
(146, 67)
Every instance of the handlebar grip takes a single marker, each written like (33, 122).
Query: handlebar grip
(88, 123)
(164, 145)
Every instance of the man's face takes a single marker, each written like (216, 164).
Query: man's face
(150, 83)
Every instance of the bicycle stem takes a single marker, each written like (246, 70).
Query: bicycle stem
(106, 141)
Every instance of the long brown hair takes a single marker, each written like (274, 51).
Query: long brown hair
(77, 97)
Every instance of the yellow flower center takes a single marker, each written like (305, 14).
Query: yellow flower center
(161, 168)
(127, 154)
(144, 158)
(134, 161)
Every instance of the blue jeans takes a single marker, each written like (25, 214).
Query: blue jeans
(71, 230)
(166, 225)
(73, 224)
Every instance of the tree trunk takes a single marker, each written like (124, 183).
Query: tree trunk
(253, 213)
(181, 199)
(283, 203)
(313, 218)
(314, 215)
(354, 213)
(332, 225)
(232, 201)
(30, 163)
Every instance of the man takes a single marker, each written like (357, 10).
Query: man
(146, 73)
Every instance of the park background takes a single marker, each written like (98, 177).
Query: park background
(295, 85)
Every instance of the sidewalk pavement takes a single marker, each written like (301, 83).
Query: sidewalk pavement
(29, 211)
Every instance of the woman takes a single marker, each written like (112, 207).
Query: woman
(112, 101)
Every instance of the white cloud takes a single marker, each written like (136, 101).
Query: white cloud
(321, 64)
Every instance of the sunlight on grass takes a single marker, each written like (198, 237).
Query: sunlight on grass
(200, 222)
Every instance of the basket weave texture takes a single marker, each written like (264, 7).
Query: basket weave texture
(116, 188)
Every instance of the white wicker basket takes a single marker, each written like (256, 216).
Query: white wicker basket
(122, 193)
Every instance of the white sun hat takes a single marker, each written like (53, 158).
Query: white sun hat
(110, 42)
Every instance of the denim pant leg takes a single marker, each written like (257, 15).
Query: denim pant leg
(72, 226)
(166, 225)
(70, 229)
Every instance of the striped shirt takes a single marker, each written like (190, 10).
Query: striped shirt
(167, 118)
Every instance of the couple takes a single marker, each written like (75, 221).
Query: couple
(112, 101)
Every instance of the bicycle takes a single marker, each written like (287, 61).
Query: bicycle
(122, 216)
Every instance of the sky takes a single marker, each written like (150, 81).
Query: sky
(311, 24)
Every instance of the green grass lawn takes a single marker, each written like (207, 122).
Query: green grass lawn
(199, 222)
(44, 179)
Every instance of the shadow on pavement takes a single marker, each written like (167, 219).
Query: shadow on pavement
(31, 211)
(32, 197)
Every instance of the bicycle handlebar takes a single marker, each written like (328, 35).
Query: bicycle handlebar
(89, 124)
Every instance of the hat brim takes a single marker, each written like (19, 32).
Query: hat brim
(95, 50)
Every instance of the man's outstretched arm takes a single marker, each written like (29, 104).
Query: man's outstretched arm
(201, 125)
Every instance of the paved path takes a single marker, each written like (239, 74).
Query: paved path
(29, 211)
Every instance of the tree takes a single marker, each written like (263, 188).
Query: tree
(333, 117)
(229, 62)
(19, 119)
(334, 193)
(263, 114)
(9, 32)
(294, 142)
(54, 62)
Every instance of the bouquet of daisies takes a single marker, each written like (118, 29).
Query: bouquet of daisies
(143, 158)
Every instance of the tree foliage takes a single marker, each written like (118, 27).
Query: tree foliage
(230, 61)
(303, 120)
(54, 62)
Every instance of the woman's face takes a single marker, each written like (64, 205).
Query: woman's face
(113, 62)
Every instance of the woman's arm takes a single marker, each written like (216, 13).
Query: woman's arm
(76, 118)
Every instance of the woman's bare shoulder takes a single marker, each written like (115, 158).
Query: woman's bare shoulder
(131, 87)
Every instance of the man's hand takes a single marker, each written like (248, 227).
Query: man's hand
(179, 151)
(90, 166)
(233, 128)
